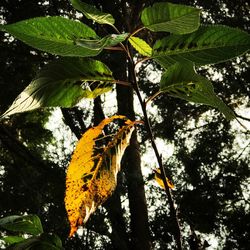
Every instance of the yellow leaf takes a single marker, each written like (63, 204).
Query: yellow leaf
(92, 173)
(160, 181)
(140, 45)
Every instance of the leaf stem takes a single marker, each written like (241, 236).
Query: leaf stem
(113, 26)
(142, 60)
(124, 83)
(173, 211)
(152, 97)
(114, 48)
(137, 30)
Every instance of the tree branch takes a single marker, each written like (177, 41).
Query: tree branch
(173, 212)
(69, 121)
(242, 117)
(15, 146)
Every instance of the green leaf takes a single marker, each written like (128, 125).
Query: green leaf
(92, 13)
(208, 45)
(140, 45)
(53, 239)
(181, 81)
(12, 239)
(173, 18)
(56, 35)
(64, 83)
(26, 224)
(100, 44)
(42, 242)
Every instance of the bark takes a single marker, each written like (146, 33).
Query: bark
(73, 119)
(140, 237)
(119, 236)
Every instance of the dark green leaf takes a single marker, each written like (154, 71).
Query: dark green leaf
(64, 83)
(181, 81)
(26, 224)
(42, 242)
(53, 239)
(92, 13)
(208, 45)
(173, 18)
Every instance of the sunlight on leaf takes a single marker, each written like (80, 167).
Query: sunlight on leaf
(160, 181)
(181, 81)
(173, 18)
(93, 13)
(210, 44)
(63, 83)
(92, 172)
(140, 45)
(54, 35)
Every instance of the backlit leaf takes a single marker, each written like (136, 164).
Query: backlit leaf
(207, 45)
(160, 181)
(140, 45)
(181, 81)
(92, 173)
(92, 13)
(55, 35)
(173, 18)
(63, 83)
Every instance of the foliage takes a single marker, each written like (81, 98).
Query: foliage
(92, 173)
(57, 84)
(28, 225)
(66, 81)
(61, 36)
(173, 18)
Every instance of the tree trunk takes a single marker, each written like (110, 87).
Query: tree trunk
(140, 237)
(119, 235)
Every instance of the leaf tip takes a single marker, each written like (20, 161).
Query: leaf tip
(73, 230)
(160, 181)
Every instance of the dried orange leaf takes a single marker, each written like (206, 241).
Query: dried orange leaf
(160, 181)
(92, 172)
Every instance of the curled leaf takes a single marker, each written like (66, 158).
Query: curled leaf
(181, 81)
(92, 13)
(92, 173)
(160, 181)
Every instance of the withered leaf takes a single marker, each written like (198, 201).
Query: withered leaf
(92, 172)
(160, 181)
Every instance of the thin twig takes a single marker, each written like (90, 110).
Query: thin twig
(113, 26)
(242, 117)
(122, 47)
(153, 97)
(142, 60)
(137, 30)
(114, 48)
(124, 83)
(173, 212)
(241, 153)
